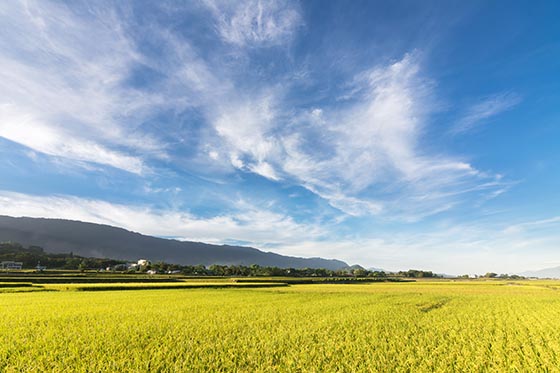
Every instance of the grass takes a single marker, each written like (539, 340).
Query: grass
(471, 326)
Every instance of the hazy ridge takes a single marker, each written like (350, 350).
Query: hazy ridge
(104, 241)
(553, 272)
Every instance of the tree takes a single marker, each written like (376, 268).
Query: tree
(82, 266)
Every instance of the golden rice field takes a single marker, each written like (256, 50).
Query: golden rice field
(493, 326)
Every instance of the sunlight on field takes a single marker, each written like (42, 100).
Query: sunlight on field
(385, 327)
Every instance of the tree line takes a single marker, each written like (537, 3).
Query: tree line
(33, 255)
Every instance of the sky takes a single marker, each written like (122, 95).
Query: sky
(392, 134)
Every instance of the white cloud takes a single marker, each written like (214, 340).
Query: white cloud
(534, 225)
(213, 155)
(264, 169)
(355, 206)
(236, 162)
(61, 75)
(364, 159)
(258, 226)
(245, 129)
(26, 130)
(255, 22)
(378, 137)
(486, 109)
(245, 126)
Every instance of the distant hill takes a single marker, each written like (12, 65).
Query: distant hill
(373, 269)
(104, 241)
(543, 273)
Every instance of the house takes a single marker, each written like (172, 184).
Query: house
(122, 267)
(143, 262)
(10, 265)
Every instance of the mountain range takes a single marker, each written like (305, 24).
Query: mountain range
(104, 241)
(543, 273)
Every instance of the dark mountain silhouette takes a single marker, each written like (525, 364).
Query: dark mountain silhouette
(104, 241)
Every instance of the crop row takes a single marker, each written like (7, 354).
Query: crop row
(397, 327)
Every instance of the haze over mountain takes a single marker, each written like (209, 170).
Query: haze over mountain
(553, 272)
(104, 241)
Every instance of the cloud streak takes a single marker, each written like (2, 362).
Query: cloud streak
(26, 130)
(255, 23)
(485, 110)
(364, 159)
(61, 75)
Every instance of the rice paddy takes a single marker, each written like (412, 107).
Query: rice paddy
(471, 326)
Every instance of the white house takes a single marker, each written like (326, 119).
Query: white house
(10, 265)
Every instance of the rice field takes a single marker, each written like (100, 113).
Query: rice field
(471, 326)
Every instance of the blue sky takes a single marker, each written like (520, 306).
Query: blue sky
(397, 134)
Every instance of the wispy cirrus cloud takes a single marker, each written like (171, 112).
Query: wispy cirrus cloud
(27, 130)
(61, 74)
(485, 110)
(364, 158)
(378, 149)
(68, 77)
(541, 224)
(255, 23)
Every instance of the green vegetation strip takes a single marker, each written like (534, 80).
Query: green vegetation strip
(146, 286)
(86, 279)
(319, 280)
(15, 284)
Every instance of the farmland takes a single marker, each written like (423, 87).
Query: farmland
(420, 326)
